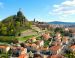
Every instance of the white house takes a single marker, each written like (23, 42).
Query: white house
(4, 48)
(41, 43)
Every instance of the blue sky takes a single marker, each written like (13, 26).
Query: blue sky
(42, 10)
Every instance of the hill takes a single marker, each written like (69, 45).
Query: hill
(59, 22)
(14, 24)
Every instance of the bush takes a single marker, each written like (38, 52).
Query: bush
(7, 39)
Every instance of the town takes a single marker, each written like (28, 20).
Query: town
(50, 42)
(37, 28)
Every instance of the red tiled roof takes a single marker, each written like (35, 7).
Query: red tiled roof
(56, 43)
(3, 46)
(55, 48)
(46, 36)
(23, 56)
(73, 47)
(33, 45)
(65, 39)
(56, 56)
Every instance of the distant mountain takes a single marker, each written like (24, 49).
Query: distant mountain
(59, 22)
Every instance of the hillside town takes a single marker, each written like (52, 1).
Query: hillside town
(48, 44)
(37, 28)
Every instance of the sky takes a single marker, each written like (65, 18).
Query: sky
(41, 10)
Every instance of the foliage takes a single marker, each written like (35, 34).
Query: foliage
(70, 55)
(25, 38)
(58, 29)
(63, 32)
(12, 25)
(46, 43)
(7, 39)
(4, 55)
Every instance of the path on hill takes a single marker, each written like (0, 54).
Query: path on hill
(28, 33)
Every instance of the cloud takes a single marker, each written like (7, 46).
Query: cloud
(1, 5)
(69, 3)
(64, 9)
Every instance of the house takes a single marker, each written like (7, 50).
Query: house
(23, 53)
(4, 48)
(40, 43)
(73, 47)
(58, 34)
(55, 56)
(65, 40)
(56, 43)
(23, 56)
(66, 29)
(44, 48)
(33, 39)
(37, 56)
(16, 51)
(45, 56)
(33, 45)
(46, 36)
(55, 49)
(23, 50)
(37, 47)
(58, 37)
(28, 44)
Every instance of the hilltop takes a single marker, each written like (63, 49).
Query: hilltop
(14, 24)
